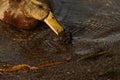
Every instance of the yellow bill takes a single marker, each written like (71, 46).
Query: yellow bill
(52, 22)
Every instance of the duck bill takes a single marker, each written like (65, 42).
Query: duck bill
(52, 22)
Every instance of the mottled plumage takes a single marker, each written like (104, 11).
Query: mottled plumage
(15, 12)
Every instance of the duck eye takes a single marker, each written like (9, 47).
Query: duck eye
(40, 6)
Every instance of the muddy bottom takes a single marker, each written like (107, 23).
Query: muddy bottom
(30, 47)
(93, 55)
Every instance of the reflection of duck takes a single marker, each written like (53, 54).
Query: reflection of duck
(26, 14)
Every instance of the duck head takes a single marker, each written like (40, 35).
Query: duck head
(40, 10)
(26, 14)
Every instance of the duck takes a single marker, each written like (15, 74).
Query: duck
(26, 14)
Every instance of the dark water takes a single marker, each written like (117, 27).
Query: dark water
(94, 25)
